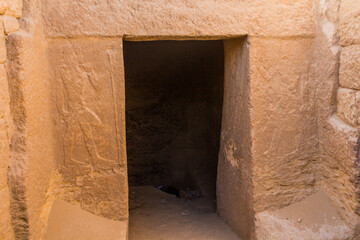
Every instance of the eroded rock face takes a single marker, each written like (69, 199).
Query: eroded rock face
(348, 107)
(287, 127)
(350, 67)
(6, 123)
(89, 91)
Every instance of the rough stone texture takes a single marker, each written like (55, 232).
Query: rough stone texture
(349, 22)
(3, 5)
(32, 159)
(348, 106)
(280, 138)
(2, 43)
(11, 24)
(14, 8)
(283, 120)
(6, 231)
(90, 122)
(339, 150)
(234, 184)
(6, 131)
(179, 19)
(337, 140)
(349, 74)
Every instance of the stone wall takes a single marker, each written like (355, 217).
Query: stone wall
(337, 103)
(89, 105)
(348, 94)
(10, 11)
(348, 97)
(282, 123)
(295, 129)
(28, 162)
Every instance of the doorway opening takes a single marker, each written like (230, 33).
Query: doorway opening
(174, 96)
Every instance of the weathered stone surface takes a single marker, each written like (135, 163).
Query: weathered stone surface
(349, 74)
(234, 180)
(348, 106)
(276, 117)
(179, 19)
(349, 22)
(89, 89)
(3, 5)
(32, 152)
(14, 8)
(338, 148)
(2, 43)
(11, 24)
(283, 120)
(6, 231)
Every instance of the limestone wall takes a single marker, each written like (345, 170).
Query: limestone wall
(336, 104)
(281, 95)
(348, 93)
(295, 129)
(28, 164)
(10, 11)
(88, 80)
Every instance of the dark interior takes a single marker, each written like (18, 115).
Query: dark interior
(174, 94)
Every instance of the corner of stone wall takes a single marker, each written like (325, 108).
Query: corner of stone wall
(348, 94)
(338, 104)
(31, 153)
(11, 210)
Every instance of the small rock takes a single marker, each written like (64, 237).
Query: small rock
(299, 220)
(11, 24)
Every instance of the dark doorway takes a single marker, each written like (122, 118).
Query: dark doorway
(174, 95)
(174, 92)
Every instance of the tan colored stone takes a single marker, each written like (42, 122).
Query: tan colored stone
(303, 220)
(5, 134)
(3, 5)
(14, 8)
(349, 22)
(339, 148)
(90, 106)
(349, 74)
(234, 170)
(32, 161)
(180, 19)
(11, 24)
(2, 43)
(278, 144)
(348, 106)
(283, 120)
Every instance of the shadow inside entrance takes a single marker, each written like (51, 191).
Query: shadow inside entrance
(174, 94)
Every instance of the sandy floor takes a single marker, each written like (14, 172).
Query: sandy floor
(67, 222)
(161, 216)
(314, 218)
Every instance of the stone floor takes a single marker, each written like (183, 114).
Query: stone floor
(68, 221)
(161, 216)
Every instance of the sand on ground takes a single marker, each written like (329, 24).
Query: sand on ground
(161, 216)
